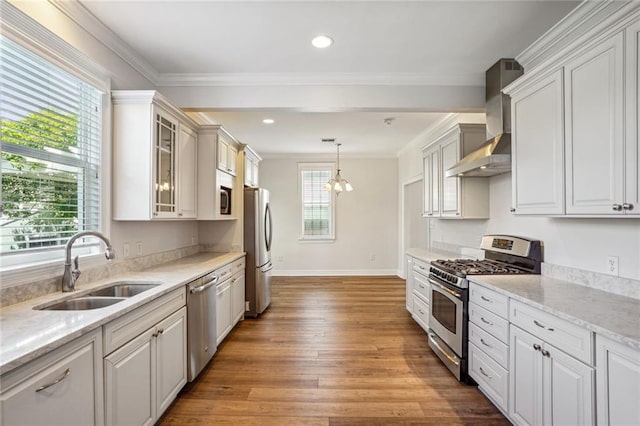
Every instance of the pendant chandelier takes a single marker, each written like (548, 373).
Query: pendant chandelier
(338, 183)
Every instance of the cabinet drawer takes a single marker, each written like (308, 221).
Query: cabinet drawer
(568, 337)
(238, 266)
(421, 286)
(491, 377)
(63, 387)
(490, 300)
(421, 266)
(491, 323)
(224, 272)
(489, 344)
(121, 330)
(421, 312)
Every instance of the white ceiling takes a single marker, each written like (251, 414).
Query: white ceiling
(443, 43)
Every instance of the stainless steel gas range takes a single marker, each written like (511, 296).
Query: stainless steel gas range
(448, 307)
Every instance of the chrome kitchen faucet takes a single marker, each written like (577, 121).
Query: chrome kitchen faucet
(70, 276)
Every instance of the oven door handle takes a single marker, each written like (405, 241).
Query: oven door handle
(437, 345)
(441, 287)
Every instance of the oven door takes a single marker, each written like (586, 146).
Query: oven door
(446, 310)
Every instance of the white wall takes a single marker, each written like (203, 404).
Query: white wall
(366, 219)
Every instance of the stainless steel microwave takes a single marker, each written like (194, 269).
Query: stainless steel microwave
(225, 200)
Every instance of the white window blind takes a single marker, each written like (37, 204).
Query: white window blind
(317, 209)
(51, 136)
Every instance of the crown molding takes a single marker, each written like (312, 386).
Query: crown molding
(85, 19)
(590, 16)
(318, 79)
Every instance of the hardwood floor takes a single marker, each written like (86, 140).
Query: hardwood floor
(330, 351)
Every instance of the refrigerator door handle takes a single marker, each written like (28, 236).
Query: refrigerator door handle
(268, 234)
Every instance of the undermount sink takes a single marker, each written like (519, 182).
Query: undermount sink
(107, 296)
(123, 289)
(83, 304)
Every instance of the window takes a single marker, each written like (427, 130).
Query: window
(51, 156)
(316, 203)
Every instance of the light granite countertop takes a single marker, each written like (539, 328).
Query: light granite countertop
(616, 317)
(429, 255)
(27, 333)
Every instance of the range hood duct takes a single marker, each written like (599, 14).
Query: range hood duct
(494, 156)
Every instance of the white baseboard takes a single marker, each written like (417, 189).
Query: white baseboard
(331, 273)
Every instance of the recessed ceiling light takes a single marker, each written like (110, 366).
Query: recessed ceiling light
(322, 41)
(268, 121)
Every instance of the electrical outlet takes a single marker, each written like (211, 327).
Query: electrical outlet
(372, 257)
(126, 252)
(612, 265)
(139, 248)
(246, 306)
(193, 240)
(280, 258)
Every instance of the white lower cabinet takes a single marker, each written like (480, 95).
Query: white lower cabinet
(420, 293)
(618, 381)
(64, 387)
(237, 297)
(408, 298)
(144, 375)
(223, 310)
(546, 385)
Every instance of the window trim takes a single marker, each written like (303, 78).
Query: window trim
(309, 166)
(28, 33)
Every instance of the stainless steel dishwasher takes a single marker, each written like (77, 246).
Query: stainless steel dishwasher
(201, 323)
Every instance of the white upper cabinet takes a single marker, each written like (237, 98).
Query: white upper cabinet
(456, 197)
(594, 105)
(227, 155)
(188, 173)
(431, 182)
(251, 167)
(575, 121)
(538, 147)
(632, 129)
(154, 159)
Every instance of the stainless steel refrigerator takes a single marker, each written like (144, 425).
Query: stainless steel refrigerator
(258, 231)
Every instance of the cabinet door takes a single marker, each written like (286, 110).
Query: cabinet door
(61, 388)
(171, 358)
(255, 174)
(165, 131)
(525, 378)
(222, 155)
(618, 370)
(436, 176)
(130, 391)
(248, 171)
(632, 93)
(187, 173)
(237, 297)
(232, 155)
(568, 388)
(223, 310)
(538, 148)
(450, 152)
(594, 98)
(426, 185)
(408, 300)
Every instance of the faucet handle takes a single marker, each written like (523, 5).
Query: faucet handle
(76, 269)
(76, 263)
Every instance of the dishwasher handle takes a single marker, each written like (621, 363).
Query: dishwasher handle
(203, 287)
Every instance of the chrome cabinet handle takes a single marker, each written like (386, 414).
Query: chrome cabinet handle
(617, 207)
(55, 382)
(512, 210)
(485, 321)
(485, 374)
(537, 347)
(158, 332)
(420, 310)
(542, 326)
(627, 206)
(546, 353)
(485, 343)
(421, 286)
(485, 299)
(421, 267)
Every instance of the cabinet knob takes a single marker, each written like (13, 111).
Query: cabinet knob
(627, 206)
(512, 210)
(537, 347)
(546, 353)
(617, 207)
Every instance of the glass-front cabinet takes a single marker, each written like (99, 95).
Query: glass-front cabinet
(165, 165)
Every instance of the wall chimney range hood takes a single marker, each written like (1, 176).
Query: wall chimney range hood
(493, 157)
